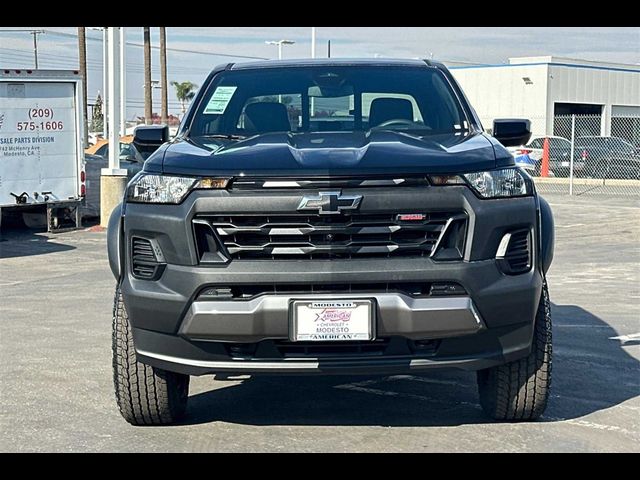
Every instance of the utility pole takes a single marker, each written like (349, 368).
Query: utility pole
(328, 48)
(148, 107)
(82, 60)
(35, 34)
(164, 110)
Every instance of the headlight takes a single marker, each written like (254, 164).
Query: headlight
(147, 188)
(508, 182)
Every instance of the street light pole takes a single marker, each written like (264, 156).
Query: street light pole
(113, 179)
(123, 82)
(105, 80)
(114, 95)
(280, 43)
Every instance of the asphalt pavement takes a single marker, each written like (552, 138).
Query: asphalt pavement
(56, 392)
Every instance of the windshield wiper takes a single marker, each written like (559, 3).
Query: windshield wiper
(225, 136)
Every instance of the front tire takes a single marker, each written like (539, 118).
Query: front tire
(519, 390)
(145, 395)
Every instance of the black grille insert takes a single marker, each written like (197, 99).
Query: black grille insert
(381, 347)
(517, 258)
(144, 264)
(301, 236)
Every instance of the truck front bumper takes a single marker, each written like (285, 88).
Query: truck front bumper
(490, 325)
(174, 328)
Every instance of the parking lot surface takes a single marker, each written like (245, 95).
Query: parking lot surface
(56, 389)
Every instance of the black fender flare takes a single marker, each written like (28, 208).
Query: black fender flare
(547, 234)
(115, 242)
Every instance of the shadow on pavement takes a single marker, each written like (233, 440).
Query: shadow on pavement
(19, 241)
(591, 372)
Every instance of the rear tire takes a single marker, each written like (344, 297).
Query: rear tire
(519, 390)
(145, 395)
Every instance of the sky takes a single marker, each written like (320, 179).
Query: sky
(193, 52)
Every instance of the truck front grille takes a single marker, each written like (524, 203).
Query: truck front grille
(327, 237)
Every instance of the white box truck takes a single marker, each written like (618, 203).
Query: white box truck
(41, 145)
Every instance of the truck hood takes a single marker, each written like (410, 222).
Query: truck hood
(322, 154)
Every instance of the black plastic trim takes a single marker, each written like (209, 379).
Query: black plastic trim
(115, 241)
(547, 234)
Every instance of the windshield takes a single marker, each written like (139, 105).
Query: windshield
(618, 144)
(244, 103)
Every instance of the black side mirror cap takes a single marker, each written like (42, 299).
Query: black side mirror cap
(512, 132)
(148, 138)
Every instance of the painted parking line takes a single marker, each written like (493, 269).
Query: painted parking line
(627, 338)
(593, 426)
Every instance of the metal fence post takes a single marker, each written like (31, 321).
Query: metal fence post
(573, 150)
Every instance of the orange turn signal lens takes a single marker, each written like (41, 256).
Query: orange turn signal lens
(212, 183)
(446, 180)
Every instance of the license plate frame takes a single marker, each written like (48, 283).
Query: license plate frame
(332, 308)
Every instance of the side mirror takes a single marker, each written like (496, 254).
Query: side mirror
(148, 138)
(512, 132)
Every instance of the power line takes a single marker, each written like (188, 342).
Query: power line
(71, 62)
(172, 49)
(35, 34)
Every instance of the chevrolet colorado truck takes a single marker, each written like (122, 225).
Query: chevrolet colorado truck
(331, 217)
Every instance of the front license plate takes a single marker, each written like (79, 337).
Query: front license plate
(331, 320)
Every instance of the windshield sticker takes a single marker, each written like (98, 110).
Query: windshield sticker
(219, 100)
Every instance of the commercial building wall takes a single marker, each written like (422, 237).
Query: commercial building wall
(506, 92)
(540, 88)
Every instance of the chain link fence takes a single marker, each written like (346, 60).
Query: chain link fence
(581, 160)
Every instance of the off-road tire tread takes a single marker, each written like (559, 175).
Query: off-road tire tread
(145, 395)
(519, 390)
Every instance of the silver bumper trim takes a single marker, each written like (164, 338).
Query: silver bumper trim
(267, 317)
(235, 364)
(302, 366)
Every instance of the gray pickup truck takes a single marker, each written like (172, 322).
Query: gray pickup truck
(331, 217)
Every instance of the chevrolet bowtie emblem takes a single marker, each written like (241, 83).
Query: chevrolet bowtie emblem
(330, 203)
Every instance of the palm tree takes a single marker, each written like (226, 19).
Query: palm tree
(148, 98)
(185, 91)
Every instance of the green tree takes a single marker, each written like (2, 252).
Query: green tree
(185, 91)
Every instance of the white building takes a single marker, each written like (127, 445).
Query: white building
(542, 88)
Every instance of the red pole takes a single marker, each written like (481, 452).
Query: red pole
(544, 168)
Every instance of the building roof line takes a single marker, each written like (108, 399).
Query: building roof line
(555, 64)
